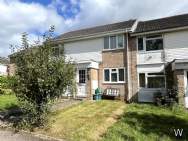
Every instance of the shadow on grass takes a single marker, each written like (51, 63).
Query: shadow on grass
(11, 114)
(160, 125)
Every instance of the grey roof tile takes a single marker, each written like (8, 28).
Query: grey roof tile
(97, 29)
(163, 23)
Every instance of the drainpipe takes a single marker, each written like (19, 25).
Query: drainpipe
(128, 72)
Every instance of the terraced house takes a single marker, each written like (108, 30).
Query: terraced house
(134, 58)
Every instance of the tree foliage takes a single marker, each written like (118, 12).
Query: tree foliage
(40, 77)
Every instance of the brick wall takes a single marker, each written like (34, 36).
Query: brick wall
(113, 59)
(133, 83)
(92, 75)
(179, 83)
(11, 69)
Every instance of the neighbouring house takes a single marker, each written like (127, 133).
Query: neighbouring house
(139, 58)
(162, 56)
(3, 66)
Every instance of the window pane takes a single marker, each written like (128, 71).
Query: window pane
(156, 82)
(140, 44)
(155, 44)
(142, 80)
(82, 76)
(114, 70)
(120, 41)
(112, 42)
(106, 42)
(106, 75)
(114, 77)
(121, 75)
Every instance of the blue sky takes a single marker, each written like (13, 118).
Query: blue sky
(36, 16)
(44, 2)
(65, 8)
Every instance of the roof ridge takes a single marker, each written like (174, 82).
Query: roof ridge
(100, 26)
(163, 18)
(163, 23)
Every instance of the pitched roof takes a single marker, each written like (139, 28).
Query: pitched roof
(4, 60)
(97, 29)
(163, 23)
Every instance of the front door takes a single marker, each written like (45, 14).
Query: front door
(81, 85)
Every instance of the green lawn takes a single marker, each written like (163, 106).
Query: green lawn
(85, 121)
(141, 122)
(111, 121)
(7, 101)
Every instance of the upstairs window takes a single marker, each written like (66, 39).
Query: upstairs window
(120, 41)
(140, 44)
(114, 42)
(154, 43)
(106, 42)
(57, 51)
(150, 43)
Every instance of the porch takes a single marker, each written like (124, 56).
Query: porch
(180, 76)
(86, 80)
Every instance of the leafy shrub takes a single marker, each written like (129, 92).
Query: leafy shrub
(6, 82)
(3, 82)
(170, 99)
(39, 79)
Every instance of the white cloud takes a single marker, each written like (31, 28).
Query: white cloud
(18, 17)
(108, 11)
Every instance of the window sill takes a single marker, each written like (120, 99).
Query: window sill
(113, 82)
(145, 52)
(106, 50)
(143, 88)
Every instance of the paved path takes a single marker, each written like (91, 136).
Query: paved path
(64, 103)
(11, 136)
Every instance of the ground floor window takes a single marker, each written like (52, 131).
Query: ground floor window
(114, 75)
(152, 80)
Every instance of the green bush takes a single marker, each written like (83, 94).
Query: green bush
(40, 78)
(3, 82)
(6, 82)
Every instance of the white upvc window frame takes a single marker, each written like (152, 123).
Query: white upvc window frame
(110, 72)
(59, 46)
(117, 47)
(147, 76)
(147, 39)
